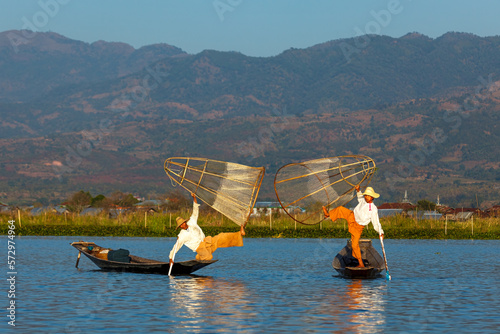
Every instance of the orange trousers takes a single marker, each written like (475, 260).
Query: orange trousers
(221, 240)
(354, 228)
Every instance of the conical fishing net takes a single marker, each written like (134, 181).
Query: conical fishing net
(304, 188)
(227, 187)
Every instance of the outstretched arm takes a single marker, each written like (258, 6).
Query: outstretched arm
(174, 250)
(196, 211)
(359, 194)
(376, 223)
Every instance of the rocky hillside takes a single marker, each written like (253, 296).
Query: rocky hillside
(105, 116)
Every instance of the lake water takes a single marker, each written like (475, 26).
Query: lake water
(267, 286)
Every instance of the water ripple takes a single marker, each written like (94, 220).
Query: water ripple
(269, 285)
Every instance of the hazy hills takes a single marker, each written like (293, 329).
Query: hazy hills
(32, 67)
(104, 116)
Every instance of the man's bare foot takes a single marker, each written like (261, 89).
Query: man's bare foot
(242, 230)
(325, 212)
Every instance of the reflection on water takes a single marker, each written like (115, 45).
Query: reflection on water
(195, 299)
(358, 307)
(267, 286)
(366, 307)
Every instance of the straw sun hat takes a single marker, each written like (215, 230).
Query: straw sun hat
(180, 221)
(370, 192)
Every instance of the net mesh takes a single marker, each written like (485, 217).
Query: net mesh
(304, 188)
(227, 187)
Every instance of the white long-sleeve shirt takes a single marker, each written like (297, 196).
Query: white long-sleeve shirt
(192, 236)
(365, 212)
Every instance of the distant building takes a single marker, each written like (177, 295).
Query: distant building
(117, 211)
(91, 211)
(60, 209)
(265, 208)
(392, 209)
(399, 206)
(462, 214)
(494, 211)
(151, 205)
(139, 198)
(407, 208)
(405, 199)
(466, 215)
(432, 215)
(41, 210)
(425, 214)
(389, 212)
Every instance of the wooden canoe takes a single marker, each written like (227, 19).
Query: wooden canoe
(345, 264)
(136, 264)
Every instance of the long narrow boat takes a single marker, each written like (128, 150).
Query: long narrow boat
(120, 260)
(345, 264)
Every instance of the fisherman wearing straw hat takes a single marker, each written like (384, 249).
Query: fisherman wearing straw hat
(364, 213)
(193, 237)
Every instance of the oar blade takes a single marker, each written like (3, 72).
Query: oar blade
(387, 274)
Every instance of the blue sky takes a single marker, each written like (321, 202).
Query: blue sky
(252, 27)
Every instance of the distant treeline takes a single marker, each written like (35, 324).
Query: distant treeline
(144, 224)
(173, 201)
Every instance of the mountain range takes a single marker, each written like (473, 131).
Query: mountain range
(104, 116)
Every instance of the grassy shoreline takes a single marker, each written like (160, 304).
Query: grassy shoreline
(277, 226)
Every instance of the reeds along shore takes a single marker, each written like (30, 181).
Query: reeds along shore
(140, 224)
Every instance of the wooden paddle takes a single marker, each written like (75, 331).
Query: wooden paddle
(78, 259)
(172, 264)
(387, 274)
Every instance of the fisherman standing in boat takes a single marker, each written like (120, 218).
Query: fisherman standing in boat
(193, 237)
(364, 213)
